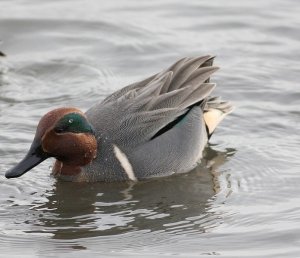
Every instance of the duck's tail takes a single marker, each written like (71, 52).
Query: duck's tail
(214, 112)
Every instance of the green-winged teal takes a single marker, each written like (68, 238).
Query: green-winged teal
(152, 128)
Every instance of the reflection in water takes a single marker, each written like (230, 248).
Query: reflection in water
(213, 160)
(172, 204)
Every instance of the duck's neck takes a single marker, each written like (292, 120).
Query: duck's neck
(64, 169)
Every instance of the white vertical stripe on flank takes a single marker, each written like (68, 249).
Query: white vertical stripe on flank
(124, 163)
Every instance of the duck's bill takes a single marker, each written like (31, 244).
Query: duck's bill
(34, 157)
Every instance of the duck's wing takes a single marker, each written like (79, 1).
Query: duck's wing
(135, 86)
(142, 111)
(179, 69)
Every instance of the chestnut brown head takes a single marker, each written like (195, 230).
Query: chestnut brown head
(63, 133)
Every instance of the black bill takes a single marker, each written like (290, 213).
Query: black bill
(34, 157)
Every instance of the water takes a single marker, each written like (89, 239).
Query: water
(243, 201)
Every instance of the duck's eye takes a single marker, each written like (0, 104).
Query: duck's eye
(74, 123)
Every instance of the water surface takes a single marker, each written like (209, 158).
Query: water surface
(242, 201)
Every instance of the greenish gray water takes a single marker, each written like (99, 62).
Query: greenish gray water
(242, 201)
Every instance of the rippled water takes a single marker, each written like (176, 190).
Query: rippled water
(243, 201)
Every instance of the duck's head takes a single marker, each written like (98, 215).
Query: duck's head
(63, 133)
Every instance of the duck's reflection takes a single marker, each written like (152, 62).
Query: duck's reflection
(176, 203)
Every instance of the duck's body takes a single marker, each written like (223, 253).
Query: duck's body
(134, 157)
(152, 128)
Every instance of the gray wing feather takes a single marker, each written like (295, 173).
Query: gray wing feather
(121, 92)
(134, 114)
(146, 124)
(185, 71)
(201, 75)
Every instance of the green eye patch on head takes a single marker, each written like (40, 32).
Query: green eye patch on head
(73, 123)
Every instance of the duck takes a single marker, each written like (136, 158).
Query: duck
(156, 127)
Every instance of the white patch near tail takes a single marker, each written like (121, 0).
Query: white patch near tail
(212, 118)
